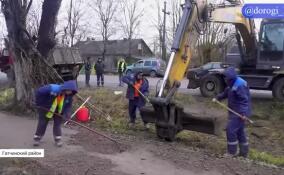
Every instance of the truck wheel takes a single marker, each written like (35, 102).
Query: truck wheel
(278, 89)
(211, 86)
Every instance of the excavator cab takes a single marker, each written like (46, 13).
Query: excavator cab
(271, 45)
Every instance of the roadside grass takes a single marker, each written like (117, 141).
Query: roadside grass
(264, 109)
(6, 96)
(117, 106)
(218, 146)
(266, 157)
(267, 109)
(212, 144)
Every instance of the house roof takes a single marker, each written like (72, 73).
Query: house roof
(113, 47)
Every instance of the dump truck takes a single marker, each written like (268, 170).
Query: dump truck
(66, 61)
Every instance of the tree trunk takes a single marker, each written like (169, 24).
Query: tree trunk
(31, 69)
(48, 22)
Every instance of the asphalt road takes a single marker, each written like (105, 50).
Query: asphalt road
(111, 81)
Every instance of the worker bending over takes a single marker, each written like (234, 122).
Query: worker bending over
(136, 100)
(51, 99)
(238, 95)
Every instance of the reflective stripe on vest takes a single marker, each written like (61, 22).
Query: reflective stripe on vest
(121, 65)
(58, 102)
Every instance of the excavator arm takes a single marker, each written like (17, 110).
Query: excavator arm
(169, 117)
(183, 45)
(193, 22)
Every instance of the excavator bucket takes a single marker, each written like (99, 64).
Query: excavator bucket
(171, 119)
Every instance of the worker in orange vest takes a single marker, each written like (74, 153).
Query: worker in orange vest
(136, 101)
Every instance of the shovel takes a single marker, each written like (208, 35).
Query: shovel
(231, 110)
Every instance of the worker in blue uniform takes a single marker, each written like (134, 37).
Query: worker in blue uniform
(238, 95)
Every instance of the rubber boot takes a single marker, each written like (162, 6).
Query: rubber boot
(58, 143)
(36, 140)
(244, 149)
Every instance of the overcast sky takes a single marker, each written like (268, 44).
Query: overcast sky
(147, 30)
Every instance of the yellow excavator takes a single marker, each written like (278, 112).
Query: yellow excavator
(171, 118)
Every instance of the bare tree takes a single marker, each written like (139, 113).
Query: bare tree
(214, 38)
(30, 65)
(176, 12)
(106, 10)
(33, 18)
(132, 18)
(158, 25)
(75, 29)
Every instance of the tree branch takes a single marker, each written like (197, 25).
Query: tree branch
(28, 8)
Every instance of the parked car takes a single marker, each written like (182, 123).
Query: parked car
(203, 70)
(200, 78)
(150, 66)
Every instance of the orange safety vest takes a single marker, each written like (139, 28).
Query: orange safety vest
(137, 85)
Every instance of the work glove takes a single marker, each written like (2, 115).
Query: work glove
(243, 118)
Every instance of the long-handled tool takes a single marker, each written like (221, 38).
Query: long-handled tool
(78, 109)
(146, 98)
(107, 116)
(231, 110)
(83, 126)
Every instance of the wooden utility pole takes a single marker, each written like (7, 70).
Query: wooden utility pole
(164, 51)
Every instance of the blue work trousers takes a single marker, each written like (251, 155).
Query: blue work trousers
(42, 125)
(133, 106)
(236, 135)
